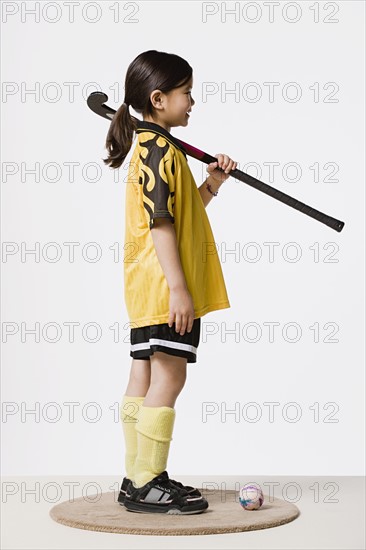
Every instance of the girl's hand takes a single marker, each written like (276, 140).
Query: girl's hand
(181, 310)
(224, 162)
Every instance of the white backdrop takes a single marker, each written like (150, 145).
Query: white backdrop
(295, 121)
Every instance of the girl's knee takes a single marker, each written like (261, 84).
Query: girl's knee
(172, 382)
(168, 369)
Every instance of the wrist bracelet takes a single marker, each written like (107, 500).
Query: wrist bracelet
(208, 186)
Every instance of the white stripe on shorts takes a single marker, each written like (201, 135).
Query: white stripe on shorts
(165, 343)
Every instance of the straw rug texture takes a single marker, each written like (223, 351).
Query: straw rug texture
(224, 515)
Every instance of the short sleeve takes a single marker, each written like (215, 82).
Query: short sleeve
(158, 183)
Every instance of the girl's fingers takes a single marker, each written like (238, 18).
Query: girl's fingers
(229, 167)
(225, 162)
(221, 158)
(183, 325)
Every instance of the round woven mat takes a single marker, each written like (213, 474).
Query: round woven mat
(224, 515)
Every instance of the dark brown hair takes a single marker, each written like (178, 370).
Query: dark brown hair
(151, 70)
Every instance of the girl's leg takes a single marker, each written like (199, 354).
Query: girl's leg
(168, 376)
(160, 379)
(157, 415)
(131, 404)
(140, 375)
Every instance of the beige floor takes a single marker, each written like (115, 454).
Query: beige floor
(332, 516)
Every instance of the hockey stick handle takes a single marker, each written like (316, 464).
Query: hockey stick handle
(96, 102)
(333, 223)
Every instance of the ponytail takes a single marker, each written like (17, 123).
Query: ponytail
(120, 136)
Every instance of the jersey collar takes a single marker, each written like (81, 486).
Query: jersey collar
(145, 125)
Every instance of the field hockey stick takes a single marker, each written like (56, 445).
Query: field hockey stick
(97, 103)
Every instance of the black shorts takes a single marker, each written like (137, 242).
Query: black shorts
(146, 340)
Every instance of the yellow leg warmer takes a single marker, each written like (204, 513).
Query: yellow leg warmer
(154, 433)
(130, 409)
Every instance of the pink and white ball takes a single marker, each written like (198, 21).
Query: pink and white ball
(251, 497)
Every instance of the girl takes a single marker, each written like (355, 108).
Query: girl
(172, 273)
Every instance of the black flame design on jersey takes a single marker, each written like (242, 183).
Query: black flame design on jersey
(157, 197)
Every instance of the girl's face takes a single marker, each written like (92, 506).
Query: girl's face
(171, 108)
(179, 102)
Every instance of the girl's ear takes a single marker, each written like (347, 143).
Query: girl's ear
(156, 99)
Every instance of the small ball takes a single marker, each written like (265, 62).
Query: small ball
(251, 497)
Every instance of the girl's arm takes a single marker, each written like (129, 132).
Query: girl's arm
(165, 242)
(181, 307)
(205, 193)
(216, 178)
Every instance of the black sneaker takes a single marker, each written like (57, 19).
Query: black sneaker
(160, 496)
(190, 490)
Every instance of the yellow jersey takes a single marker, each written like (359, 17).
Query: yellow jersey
(161, 184)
